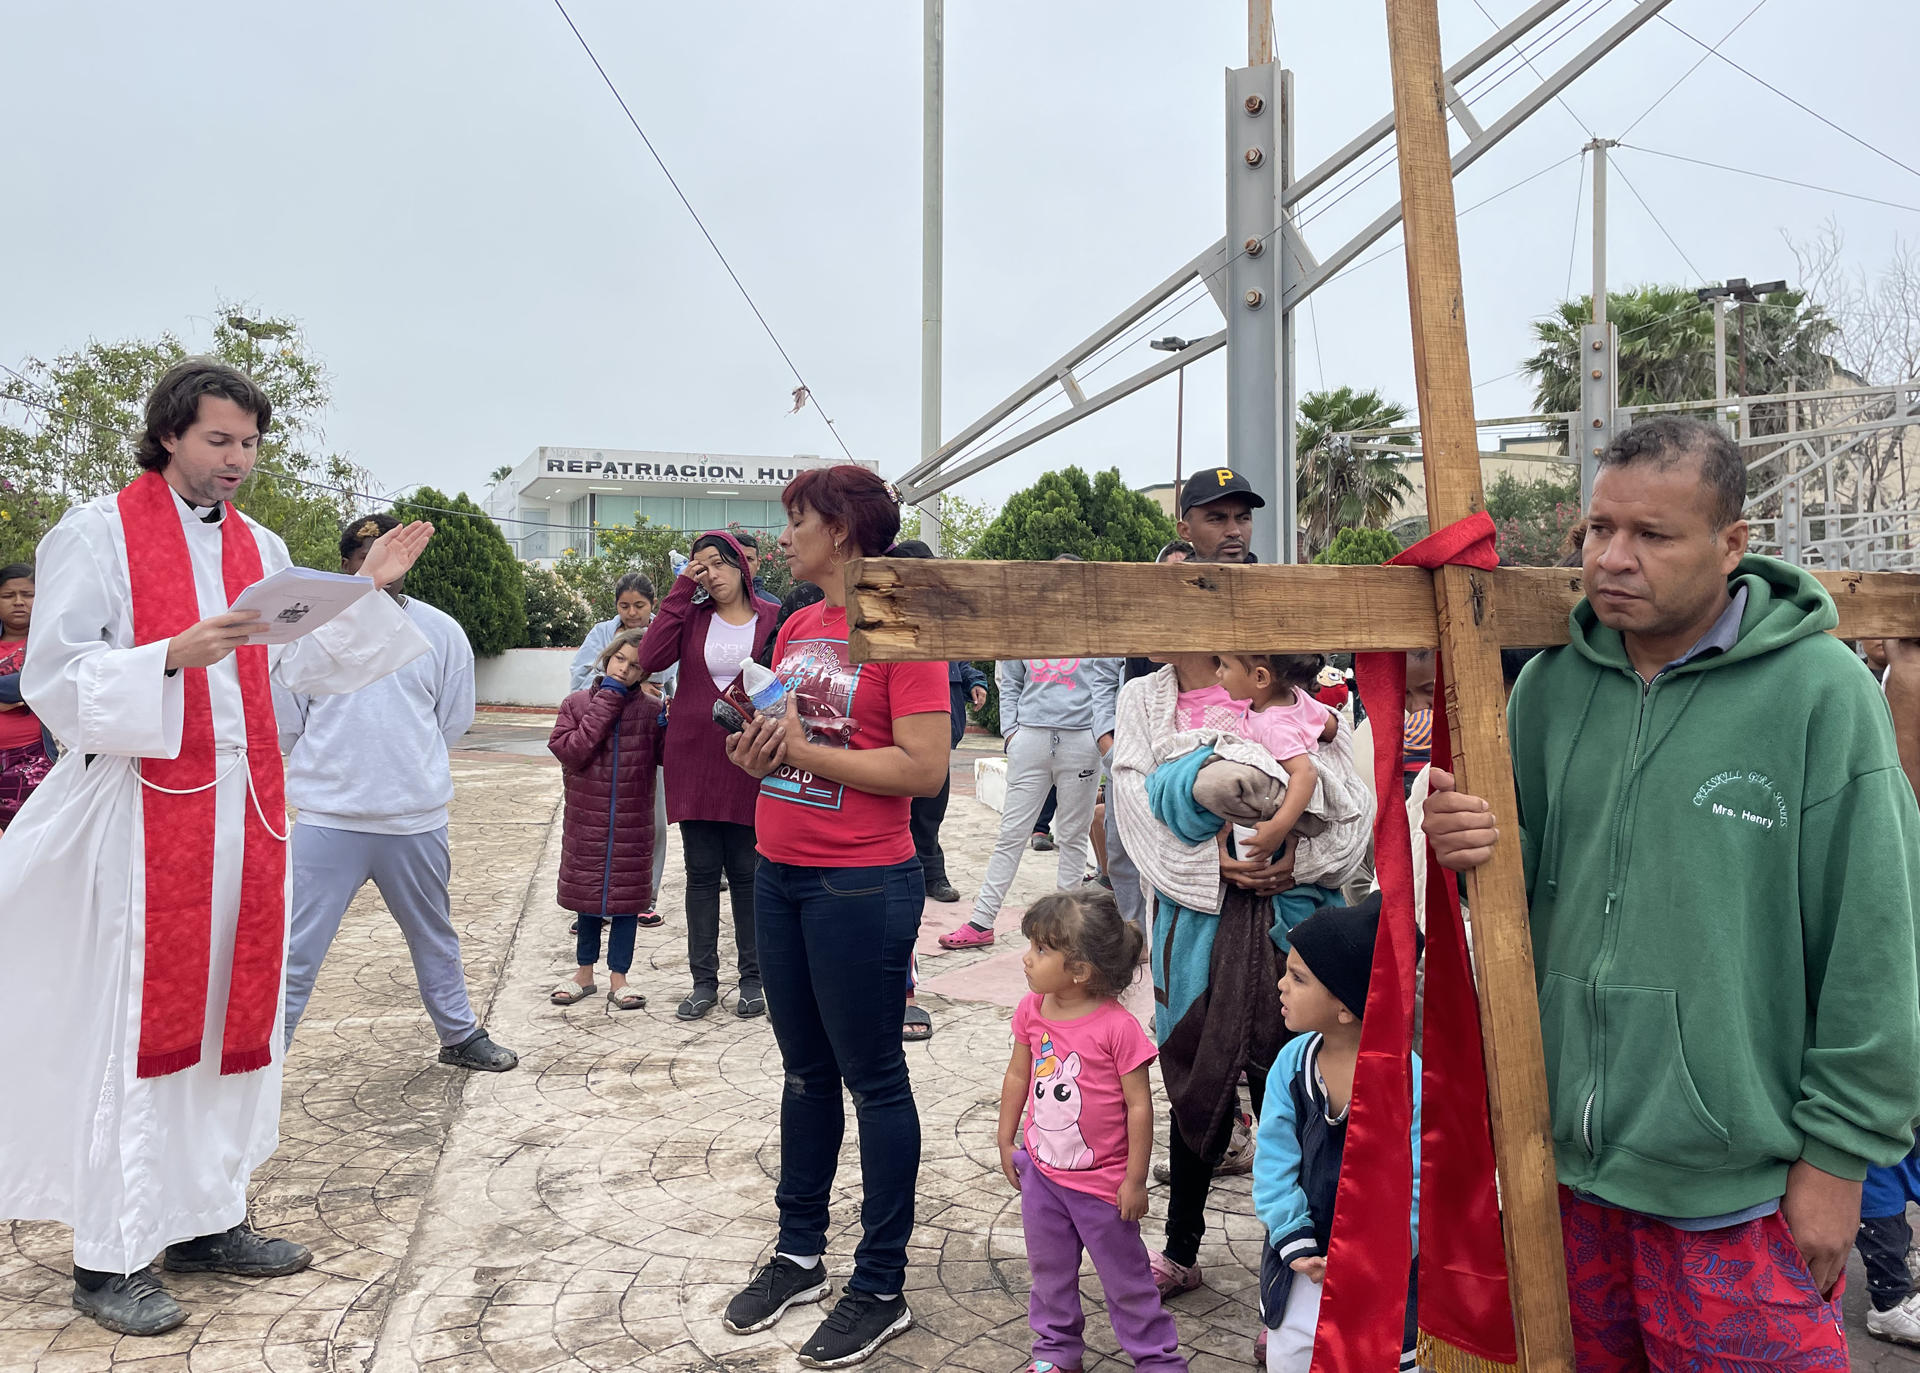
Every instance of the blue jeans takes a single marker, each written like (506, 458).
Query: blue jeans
(835, 946)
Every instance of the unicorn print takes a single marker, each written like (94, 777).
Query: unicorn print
(1053, 1130)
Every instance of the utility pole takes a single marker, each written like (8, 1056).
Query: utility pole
(1743, 293)
(1599, 345)
(1720, 352)
(1173, 343)
(932, 251)
(1259, 32)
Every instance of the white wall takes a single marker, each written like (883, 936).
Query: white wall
(523, 677)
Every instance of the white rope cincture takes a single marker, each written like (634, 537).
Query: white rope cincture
(253, 795)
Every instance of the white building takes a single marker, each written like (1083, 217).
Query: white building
(554, 499)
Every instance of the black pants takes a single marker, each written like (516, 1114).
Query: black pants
(1190, 1176)
(1883, 1243)
(928, 813)
(1044, 825)
(713, 845)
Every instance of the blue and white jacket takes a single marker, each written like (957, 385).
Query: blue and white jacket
(1296, 1173)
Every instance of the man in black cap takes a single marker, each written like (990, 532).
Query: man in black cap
(1216, 515)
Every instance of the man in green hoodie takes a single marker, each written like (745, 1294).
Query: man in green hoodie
(1723, 866)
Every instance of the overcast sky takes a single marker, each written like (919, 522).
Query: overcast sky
(478, 245)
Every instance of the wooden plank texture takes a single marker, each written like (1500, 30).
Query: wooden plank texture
(1475, 701)
(907, 609)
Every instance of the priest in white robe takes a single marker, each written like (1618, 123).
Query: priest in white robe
(105, 1129)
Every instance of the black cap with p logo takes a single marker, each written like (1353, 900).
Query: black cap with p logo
(1210, 484)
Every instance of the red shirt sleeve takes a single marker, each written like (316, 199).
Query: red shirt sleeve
(918, 689)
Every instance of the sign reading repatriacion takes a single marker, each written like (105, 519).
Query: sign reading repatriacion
(692, 467)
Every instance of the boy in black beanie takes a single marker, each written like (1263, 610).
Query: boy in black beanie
(1303, 1132)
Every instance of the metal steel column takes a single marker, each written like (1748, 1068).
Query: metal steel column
(1254, 322)
(932, 254)
(1599, 398)
(1286, 493)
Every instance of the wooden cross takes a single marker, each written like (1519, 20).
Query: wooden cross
(906, 609)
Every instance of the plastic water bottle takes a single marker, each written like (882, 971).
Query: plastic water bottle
(677, 561)
(767, 692)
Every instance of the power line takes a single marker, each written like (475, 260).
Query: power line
(1713, 51)
(1805, 109)
(812, 395)
(1579, 198)
(1560, 99)
(1768, 176)
(1698, 274)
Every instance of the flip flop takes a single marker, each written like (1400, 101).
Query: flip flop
(567, 993)
(918, 1026)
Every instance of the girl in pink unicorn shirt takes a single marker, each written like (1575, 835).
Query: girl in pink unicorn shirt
(1076, 1131)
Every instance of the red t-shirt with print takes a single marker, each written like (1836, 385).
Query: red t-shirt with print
(19, 726)
(806, 820)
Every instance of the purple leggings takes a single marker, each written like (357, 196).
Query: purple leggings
(1059, 1223)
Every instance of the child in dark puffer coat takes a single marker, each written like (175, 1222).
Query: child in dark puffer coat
(608, 742)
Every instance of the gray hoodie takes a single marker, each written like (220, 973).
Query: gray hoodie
(1055, 693)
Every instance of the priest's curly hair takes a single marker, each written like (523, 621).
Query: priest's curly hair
(175, 404)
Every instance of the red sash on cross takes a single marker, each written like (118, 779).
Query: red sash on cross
(1466, 1316)
(177, 810)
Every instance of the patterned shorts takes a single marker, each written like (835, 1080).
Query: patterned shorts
(21, 770)
(1649, 1297)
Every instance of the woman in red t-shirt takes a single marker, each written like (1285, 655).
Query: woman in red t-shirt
(838, 903)
(25, 759)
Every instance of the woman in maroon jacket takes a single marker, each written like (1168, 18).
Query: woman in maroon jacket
(608, 741)
(710, 624)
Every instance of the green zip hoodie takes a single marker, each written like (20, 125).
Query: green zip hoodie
(1724, 872)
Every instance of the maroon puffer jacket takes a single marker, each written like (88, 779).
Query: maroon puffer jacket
(608, 741)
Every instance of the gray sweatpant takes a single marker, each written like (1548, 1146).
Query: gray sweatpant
(1040, 760)
(411, 871)
(1127, 892)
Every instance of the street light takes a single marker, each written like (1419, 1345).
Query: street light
(1743, 294)
(1173, 343)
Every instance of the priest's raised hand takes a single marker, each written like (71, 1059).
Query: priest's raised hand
(395, 551)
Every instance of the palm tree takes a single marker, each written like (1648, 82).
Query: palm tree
(1666, 347)
(1339, 486)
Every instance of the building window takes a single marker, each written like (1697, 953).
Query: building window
(668, 511)
(703, 515)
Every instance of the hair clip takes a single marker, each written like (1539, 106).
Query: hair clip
(893, 492)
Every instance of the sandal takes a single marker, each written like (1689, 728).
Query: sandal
(648, 920)
(568, 992)
(917, 1028)
(626, 999)
(697, 1004)
(968, 936)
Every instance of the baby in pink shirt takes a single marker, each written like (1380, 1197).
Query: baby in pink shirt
(1283, 717)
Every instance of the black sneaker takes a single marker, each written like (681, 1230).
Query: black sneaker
(242, 1250)
(779, 1285)
(942, 891)
(857, 1326)
(479, 1054)
(1042, 842)
(131, 1304)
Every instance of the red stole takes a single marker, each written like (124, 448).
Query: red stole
(1466, 1318)
(178, 825)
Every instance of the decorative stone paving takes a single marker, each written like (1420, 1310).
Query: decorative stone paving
(595, 1209)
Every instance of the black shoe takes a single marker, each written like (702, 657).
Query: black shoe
(857, 1326)
(699, 1001)
(779, 1285)
(242, 1250)
(1042, 842)
(480, 1054)
(749, 1003)
(943, 891)
(131, 1304)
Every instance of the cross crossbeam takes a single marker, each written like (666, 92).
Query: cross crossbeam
(906, 609)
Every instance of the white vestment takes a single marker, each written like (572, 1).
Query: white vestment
(134, 1164)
